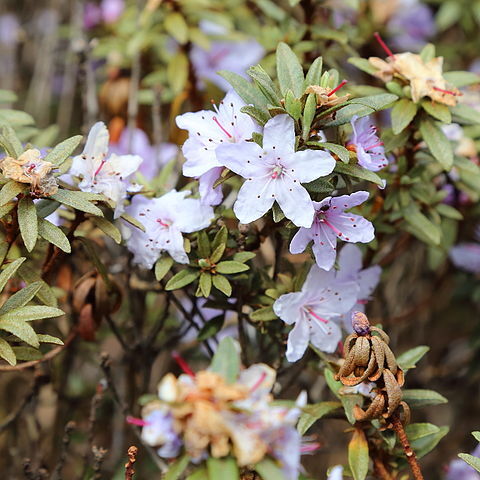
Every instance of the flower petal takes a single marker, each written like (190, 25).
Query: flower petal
(279, 134)
(254, 199)
(288, 306)
(311, 164)
(300, 241)
(324, 246)
(242, 158)
(294, 201)
(325, 336)
(298, 339)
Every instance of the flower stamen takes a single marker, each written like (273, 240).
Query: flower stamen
(337, 88)
(183, 364)
(383, 45)
(215, 119)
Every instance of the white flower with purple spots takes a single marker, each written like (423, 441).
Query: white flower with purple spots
(350, 269)
(314, 311)
(208, 130)
(165, 219)
(369, 148)
(275, 173)
(100, 173)
(331, 221)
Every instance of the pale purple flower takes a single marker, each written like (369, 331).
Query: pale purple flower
(158, 431)
(314, 311)
(459, 470)
(165, 219)
(411, 26)
(92, 15)
(466, 256)
(100, 173)
(112, 10)
(233, 56)
(350, 269)
(275, 173)
(332, 222)
(9, 30)
(208, 130)
(154, 156)
(369, 148)
(336, 473)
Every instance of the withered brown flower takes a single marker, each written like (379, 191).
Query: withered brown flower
(326, 97)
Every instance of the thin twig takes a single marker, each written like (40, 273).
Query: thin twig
(132, 458)
(63, 453)
(409, 453)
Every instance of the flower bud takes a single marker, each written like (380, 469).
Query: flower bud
(360, 323)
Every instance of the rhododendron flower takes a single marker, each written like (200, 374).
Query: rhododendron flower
(137, 143)
(101, 174)
(332, 222)
(369, 148)
(165, 219)
(350, 269)
(208, 130)
(466, 256)
(233, 56)
(459, 470)
(275, 173)
(313, 310)
(30, 168)
(159, 430)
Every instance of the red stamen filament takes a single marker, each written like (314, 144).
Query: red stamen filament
(137, 421)
(258, 382)
(379, 144)
(97, 171)
(383, 45)
(183, 364)
(448, 92)
(162, 223)
(215, 119)
(309, 447)
(313, 314)
(328, 224)
(337, 88)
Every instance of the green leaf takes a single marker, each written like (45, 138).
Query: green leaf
(203, 242)
(53, 234)
(246, 90)
(263, 314)
(6, 96)
(177, 72)
(448, 211)
(49, 339)
(28, 222)
(437, 110)
(266, 85)
(474, 462)
(416, 431)
(21, 298)
(312, 413)
(10, 190)
(76, 200)
(15, 118)
(338, 150)
(421, 226)
(222, 284)
(45, 294)
(259, 115)
(320, 185)
(426, 444)
(308, 115)
(27, 353)
(177, 468)
(289, 71)
(293, 105)
(108, 228)
(465, 114)
(30, 313)
(244, 256)
(231, 267)
(358, 172)
(226, 361)
(461, 79)
(348, 402)
(476, 435)
(403, 112)
(448, 14)
(163, 265)
(222, 469)
(428, 52)
(63, 150)
(410, 358)
(177, 27)
(332, 383)
(200, 474)
(133, 221)
(314, 73)
(9, 271)
(20, 329)
(10, 142)
(211, 327)
(182, 279)
(422, 398)
(437, 143)
(358, 455)
(362, 64)
(269, 470)
(205, 283)
(7, 353)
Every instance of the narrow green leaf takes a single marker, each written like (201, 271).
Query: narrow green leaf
(403, 112)
(182, 279)
(30, 313)
(177, 27)
(269, 470)
(163, 265)
(10, 190)
(437, 110)
(428, 52)
(76, 200)
(28, 222)
(10, 142)
(222, 284)
(461, 79)
(177, 468)
(358, 172)
(362, 64)
(437, 143)
(21, 298)
(358, 455)
(293, 105)
(312, 413)
(53, 234)
(410, 358)
(421, 226)
(177, 72)
(49, 339)
(203, 242)
(416, 431)
(108, 228)
(27, 353)
(45, 294)
(465, 114)
(211, 327)
(244, 256)
(259, 115)
(266, 85)
(476, 435)
(205, 283)
(314, 73)
(289, 71)
(474, 462)
(226, 361)
(342, 153)
(231, 267)
(264, 314)
(247, 91)
(200, 474)
(308, 115)
(426, 444)
(448, 211)
(222, 469)
(7, 353)
(20, 329)
(9, 271)
(63, 150)
(422, 398)
(133, 221)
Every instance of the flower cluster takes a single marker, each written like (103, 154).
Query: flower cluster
(324, 302)
(205, 415)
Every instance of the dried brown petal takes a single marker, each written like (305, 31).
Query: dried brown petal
(374, 410)
(382, 334)
(394, 392)
(362, 351)
(390, 358)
